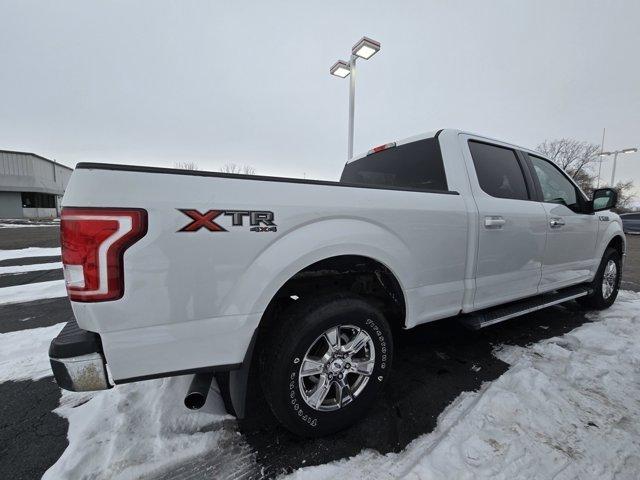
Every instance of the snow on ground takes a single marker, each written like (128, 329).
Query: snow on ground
(15, 269)
(32, 291)
(24, 355)
(568, 408)
(29, 252)
(138, 429)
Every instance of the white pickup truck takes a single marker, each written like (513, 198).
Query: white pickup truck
(174, 272)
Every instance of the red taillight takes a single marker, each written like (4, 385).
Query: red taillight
(93, 242)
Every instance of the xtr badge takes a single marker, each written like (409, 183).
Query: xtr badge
(259, 220)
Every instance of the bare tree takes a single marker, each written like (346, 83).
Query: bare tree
(235, 168)
(626, 196)
(575, 157)
(186, 165)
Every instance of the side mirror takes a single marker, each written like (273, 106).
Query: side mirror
(604, 199)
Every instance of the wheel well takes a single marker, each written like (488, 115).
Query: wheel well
(361, 275)
(617, 243)
(358, 274)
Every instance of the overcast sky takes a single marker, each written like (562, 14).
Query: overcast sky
(159, 82)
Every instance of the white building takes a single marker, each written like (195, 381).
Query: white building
(31, 186)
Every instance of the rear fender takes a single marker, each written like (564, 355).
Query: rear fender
(311, 243)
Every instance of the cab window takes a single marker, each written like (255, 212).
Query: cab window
(498, 170)
(556, 187)
(416, 165)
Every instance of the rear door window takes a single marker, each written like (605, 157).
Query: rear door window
(416, 165)
(499, 171)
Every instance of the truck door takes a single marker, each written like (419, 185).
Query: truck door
(512, 224)
(572, 231)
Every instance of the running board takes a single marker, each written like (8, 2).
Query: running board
(491, 316)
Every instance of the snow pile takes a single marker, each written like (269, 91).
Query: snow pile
(569, 407)
(32, 291)
(15, 269)
(29, 252)
(24, 355)
(135, 429)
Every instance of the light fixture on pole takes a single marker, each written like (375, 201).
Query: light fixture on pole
(340, 69)
(365, 48)
(615, 159)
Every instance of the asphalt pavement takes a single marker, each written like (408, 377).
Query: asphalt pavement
(32, 437)
(433, 365)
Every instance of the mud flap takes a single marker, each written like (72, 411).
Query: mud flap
(234, 384)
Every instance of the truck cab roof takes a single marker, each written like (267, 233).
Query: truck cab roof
(450, 131)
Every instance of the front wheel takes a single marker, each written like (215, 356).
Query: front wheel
(323, 365)
(606, 282)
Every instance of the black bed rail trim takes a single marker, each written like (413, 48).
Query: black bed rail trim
(260, 178)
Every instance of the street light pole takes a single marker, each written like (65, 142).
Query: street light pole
(365, 48)
(352, 103)
(615, 160)
(613, 172)
(600, 162)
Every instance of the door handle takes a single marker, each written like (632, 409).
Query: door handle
(556, 222)
(494, 222)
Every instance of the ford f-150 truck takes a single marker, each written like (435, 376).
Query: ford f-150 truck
(175, 272)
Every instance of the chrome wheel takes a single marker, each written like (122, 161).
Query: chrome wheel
(336, 368)
(609, 279)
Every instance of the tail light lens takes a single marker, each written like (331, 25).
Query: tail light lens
(93, 243)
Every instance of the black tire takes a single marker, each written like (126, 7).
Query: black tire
(287, 344)
(597, 299)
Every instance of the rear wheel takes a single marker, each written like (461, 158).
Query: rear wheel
(323, 365)
(606, 282)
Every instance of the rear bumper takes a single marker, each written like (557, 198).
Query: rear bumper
(77, 361)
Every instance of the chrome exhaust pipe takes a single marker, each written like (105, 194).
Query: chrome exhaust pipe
(197, 393)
